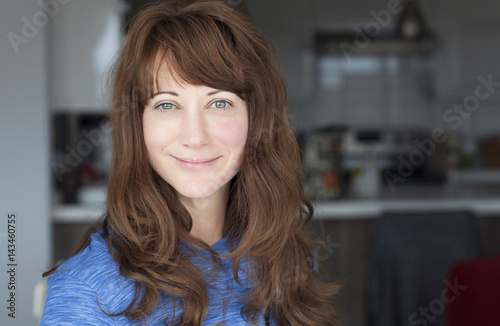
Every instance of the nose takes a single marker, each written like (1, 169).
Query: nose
(194, 131)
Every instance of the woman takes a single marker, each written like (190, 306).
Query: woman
(205, 209)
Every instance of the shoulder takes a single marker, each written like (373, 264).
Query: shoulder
(86, 285)
(94, 264)
(95, 267)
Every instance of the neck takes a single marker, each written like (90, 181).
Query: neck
(208, 215)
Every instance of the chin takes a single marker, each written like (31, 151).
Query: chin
(198, 190)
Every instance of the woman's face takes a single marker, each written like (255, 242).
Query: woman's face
(195, 136)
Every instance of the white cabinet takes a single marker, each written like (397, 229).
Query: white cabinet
(84, 38)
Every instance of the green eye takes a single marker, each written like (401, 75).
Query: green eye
(165, 106)
(221, 104)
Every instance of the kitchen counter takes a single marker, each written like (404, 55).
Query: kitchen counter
(480, 194)
(478, 191)
(341, 209)
(369, 209)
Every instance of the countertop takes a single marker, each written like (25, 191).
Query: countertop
(475, 191)
(340, 209)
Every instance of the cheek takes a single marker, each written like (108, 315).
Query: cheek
(149, 137)
(154, 139)
(234, 135)
(154, 133)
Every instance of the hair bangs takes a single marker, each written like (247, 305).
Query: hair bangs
(196, 51)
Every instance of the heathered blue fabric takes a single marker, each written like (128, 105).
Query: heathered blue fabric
(91, 281)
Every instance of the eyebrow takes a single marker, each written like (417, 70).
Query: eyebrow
(175, 94)
(165, 92)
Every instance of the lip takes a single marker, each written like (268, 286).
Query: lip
(196, 163)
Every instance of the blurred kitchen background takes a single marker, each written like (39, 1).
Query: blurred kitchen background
(395, 105)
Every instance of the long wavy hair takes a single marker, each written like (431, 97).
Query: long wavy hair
(210, 43)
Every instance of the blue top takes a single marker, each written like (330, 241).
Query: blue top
(93, 276)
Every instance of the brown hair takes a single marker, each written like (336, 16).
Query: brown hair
(210, 43)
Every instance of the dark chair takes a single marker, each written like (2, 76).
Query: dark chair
(408, 266)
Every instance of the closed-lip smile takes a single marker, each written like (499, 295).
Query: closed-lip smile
(196, 160)
(195, 163)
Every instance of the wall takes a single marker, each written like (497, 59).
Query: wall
(469, 48)
(366, 99)
(24, 158)
(466, 48)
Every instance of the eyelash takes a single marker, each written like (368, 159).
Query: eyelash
(171, 105)
(161, 108)
(227, 103)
